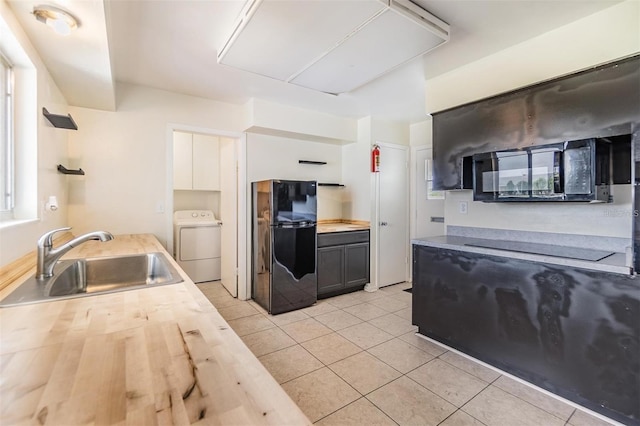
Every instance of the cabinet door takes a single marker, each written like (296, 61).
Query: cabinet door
(330, 269)
(356, 264)
(206, 169)
(182, 160)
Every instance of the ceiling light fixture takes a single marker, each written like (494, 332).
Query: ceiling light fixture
(60, 21)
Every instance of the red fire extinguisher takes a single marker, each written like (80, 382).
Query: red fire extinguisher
(375, 159)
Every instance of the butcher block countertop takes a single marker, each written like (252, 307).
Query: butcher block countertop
(341, 225)
(160, 355)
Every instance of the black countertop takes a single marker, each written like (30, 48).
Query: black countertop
(598, 260)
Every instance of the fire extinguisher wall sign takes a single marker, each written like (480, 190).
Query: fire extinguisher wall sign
(375, 159)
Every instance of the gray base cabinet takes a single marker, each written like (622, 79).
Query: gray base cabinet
(330, 269)
(343, 262)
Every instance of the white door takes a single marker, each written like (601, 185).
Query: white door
(393, 226)
(228, 214)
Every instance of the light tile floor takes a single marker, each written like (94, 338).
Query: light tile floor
(355, 360)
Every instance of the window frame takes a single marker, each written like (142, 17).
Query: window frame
(7, 142)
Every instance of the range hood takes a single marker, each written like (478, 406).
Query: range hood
(330, 46)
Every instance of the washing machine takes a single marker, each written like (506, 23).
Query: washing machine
(196, 244)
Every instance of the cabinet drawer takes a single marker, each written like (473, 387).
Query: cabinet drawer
(340, 238)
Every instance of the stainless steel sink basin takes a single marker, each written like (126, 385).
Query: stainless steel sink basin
(86, 277)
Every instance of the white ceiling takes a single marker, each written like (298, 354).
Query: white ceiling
(79, 63)
(172, 45)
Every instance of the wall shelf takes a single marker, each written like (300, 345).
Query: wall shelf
(317, 163)
(60, 121)
(62, 169)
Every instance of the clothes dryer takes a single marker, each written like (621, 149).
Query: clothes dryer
(196, 239)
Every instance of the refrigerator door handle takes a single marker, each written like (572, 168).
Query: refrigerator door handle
(296, 225)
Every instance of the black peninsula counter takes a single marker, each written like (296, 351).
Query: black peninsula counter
(570, 325)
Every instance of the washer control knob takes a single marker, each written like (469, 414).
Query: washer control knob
(194, 214)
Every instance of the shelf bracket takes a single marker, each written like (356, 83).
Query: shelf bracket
(60, 121)
(317, 163)
(62, 169)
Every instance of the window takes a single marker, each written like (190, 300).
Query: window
(6, 139)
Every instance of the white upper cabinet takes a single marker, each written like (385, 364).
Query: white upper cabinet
(206, 163)
(196, 162)
(182, 160)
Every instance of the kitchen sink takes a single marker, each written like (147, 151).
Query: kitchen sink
(87, 277)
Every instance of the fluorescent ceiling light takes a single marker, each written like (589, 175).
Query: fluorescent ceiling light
(57, 19)
(330, 46)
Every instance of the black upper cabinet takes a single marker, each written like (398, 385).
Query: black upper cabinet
(599, 102)
(621, 159)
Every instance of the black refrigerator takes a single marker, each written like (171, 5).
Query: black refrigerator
(284, 244)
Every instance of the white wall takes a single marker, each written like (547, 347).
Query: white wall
(356, 174)
(272, 157)
(602, 37)
(197, 200)
(385, 131)
(359, 203)
(603, 219)
(273, 119)
(40, 146)
(125, 156)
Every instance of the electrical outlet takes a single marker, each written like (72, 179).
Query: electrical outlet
(462, 207)
(160, 207)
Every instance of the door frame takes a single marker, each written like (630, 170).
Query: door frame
(413, 200)
(241, 219)
(234, 152)
(375, 215)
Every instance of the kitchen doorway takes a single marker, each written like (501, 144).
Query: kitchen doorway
(393, 215)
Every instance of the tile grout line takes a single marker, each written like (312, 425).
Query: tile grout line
(517, 397)
(328, 366)
(478, 393)
(540, 408)
(380, 408)
(365, 394)
(361, 302)
(572, 413)
(353, 402)
(460, 409)
(533, 387)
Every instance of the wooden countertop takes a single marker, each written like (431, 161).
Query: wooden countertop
(326, 226)
(161, 355)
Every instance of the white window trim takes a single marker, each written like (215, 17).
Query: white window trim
(8, 142)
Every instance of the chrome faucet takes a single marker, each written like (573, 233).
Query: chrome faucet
(48, 256)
